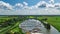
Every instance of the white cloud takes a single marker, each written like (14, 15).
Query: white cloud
(48, 5)
(40, 3)
(22, 6)
(33, 10)
(39, 11)
(7, 5)
(43, 3)
(25, 3)
(19, 4)
(51, 1)
(57, 5)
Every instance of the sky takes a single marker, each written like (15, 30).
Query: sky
(13, 2)
(27, 6)
(30, 2)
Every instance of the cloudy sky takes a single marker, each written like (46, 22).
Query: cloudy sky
(29, 7)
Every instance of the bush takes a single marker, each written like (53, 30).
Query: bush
(16, 33)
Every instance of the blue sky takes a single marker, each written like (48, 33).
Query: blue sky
(30, 2)
(22, 7)
(13, 2)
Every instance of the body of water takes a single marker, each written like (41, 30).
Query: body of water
(30, 24)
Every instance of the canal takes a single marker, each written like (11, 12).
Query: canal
(30, 24)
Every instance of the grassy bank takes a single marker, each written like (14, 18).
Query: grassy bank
(53, 20)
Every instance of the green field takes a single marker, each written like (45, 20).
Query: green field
(53, 20)
(10, 24)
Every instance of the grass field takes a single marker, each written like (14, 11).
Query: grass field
(53, 20)
(10, 24)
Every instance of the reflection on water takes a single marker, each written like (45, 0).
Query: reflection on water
(30, 24)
